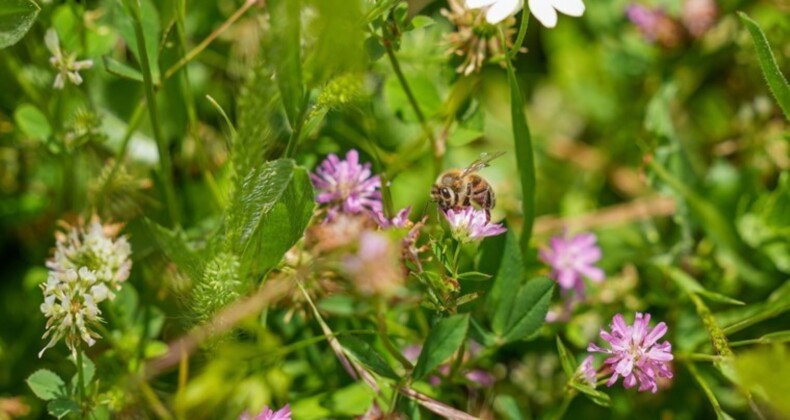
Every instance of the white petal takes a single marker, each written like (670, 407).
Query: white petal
(52, 42)
(573, 8)
(502, 10)
(544, 12)
(476, 4)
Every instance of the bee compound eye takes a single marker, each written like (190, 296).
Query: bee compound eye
(445, 193)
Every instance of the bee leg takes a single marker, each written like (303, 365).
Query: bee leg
(488, 215)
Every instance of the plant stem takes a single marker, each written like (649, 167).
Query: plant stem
(570, 394)
(81, 381)
(437, 158)
(382, 329)
(522, 33)
(164, 154)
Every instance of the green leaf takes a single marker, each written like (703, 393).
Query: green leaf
(88, 369)
(566, 359)
(690, 285)
(507, 407)
(421, 21)
(286, 47)
(121, 69)
(525, 158)
(174, 244)
(269, 212)
(368, 356)
(530, 307)
(62, 407)
(594, 395)
(508, 279)
(46, 385)
(32, 122)
(474, 276)
(443, 340)
(773, 75)
(152, 32)
(16, 18)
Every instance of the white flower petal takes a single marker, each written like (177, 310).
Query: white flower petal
(544, 12)
(573, 8)
(502, 10)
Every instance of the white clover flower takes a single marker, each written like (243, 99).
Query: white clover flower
(88, 263)
(94, 246)
(543, 10)
(71, 307)
(67, 65)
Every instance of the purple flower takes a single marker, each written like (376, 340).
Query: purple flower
(346, 185)
(375, 269)
(400, 220)
(267, 414)
(635, 354)
(470, 224)
(587, 371)
(649, 21)
(573, 258)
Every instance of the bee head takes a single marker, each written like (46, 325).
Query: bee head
(444, 196)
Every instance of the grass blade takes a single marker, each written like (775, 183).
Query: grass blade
(773, 75)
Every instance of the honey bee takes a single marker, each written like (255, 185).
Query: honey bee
(459, 188)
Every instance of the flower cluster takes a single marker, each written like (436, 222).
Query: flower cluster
(88, 264)
(347, 186)
(67, 65)
(470, 224)
(573, 258)
(375, 269)
(635, 353)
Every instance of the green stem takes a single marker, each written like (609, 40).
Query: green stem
(522, 33)
(293, 141)
(166, 168)
(570, 394)
(381, 322)
(81, 381)
(437, 158)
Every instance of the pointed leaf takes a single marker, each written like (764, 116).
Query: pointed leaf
(508, 279)
(286, 47)
(174, 244)
(444, 339)
(121, 69)
(530, 308)
(594, 395)
(16, 18)
(773, 75)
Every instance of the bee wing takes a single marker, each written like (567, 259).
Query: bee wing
(482, 162)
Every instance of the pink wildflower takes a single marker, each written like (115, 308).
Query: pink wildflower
(268, 414)
(573, 258)
(470, 224)
(346, 185)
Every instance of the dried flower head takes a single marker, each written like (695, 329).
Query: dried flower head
(376, 268)
(117, 194)
(269, 414)
(67, 65)
(347, 186)
(470, 225)
(474, 39)
(635, 353)
(571, 259)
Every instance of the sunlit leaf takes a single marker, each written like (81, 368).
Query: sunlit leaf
(16, 18)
